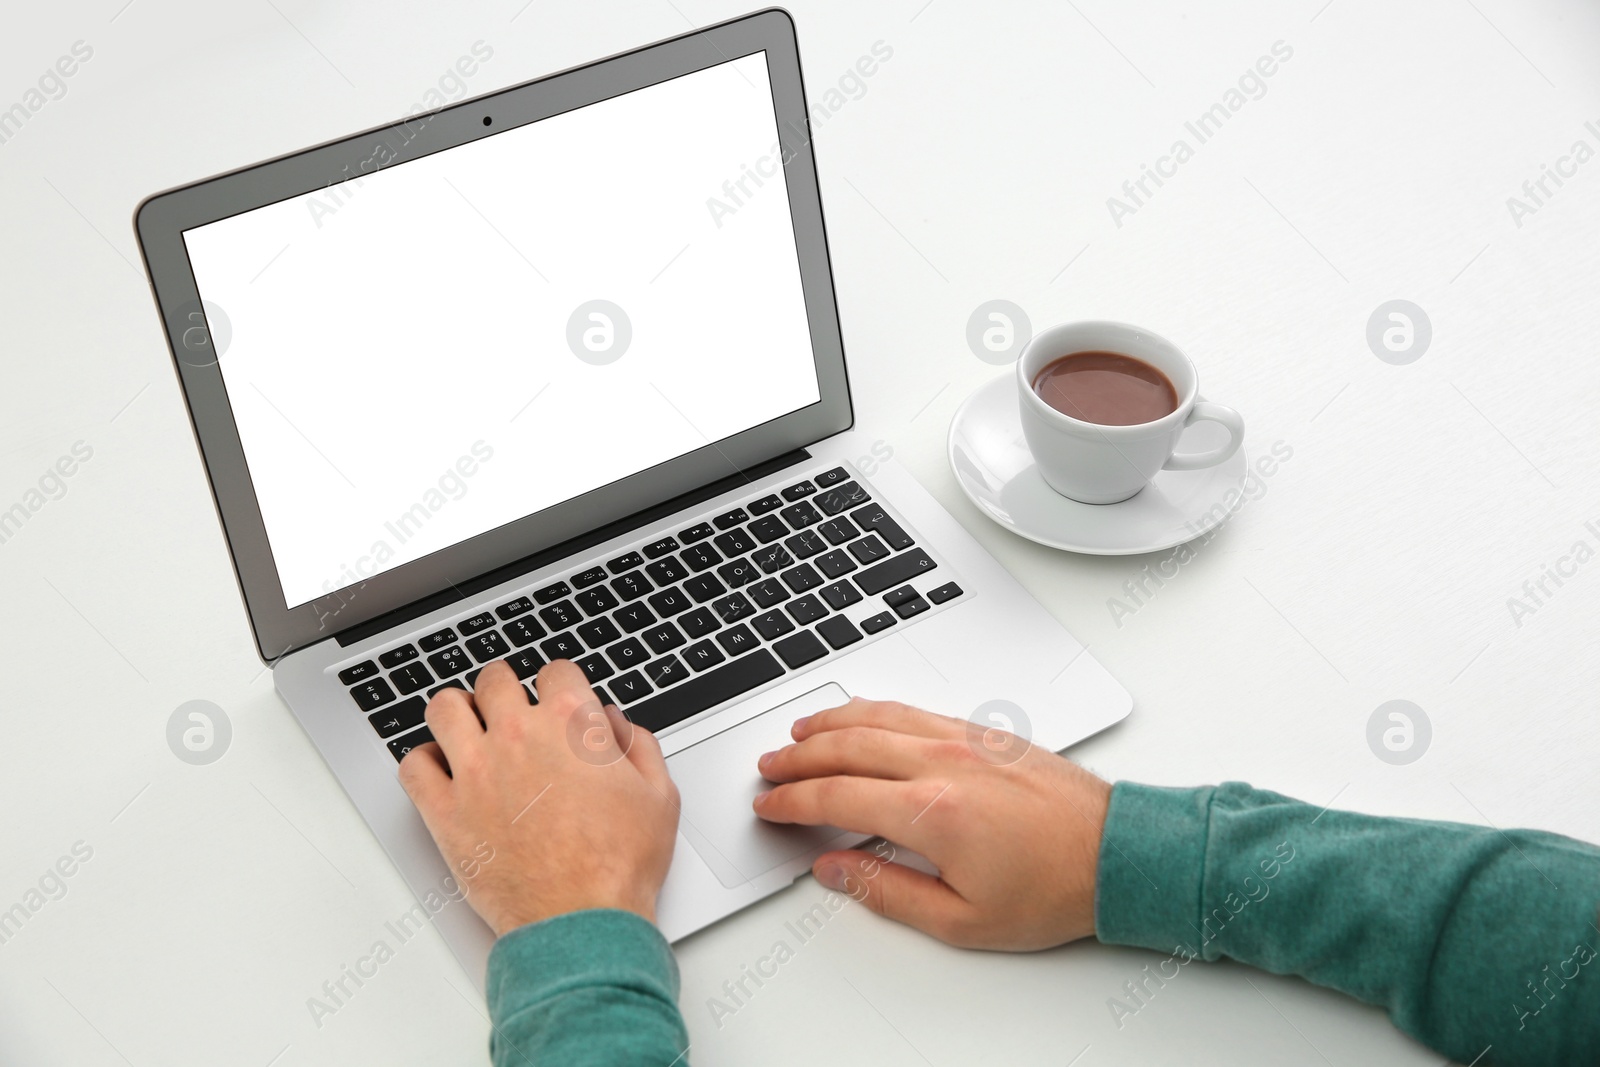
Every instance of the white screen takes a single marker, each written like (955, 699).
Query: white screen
(395, 348)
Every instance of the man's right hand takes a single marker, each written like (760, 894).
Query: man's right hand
(1014, 830)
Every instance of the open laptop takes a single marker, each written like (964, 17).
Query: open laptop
(557, 372)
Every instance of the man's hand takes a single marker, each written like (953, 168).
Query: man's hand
(546, 809)
(1014, 830)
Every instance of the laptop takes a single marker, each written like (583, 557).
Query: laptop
(557, 372)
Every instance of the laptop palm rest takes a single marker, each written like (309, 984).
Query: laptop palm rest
(717, 779)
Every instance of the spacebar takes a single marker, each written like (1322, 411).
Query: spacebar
(706, 691)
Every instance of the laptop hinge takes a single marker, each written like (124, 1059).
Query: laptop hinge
(466, 590)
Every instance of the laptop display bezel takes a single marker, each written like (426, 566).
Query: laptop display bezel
(161, 220)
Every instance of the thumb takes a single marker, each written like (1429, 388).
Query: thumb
(896, 892)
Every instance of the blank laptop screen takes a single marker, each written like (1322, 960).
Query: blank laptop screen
(450, 344)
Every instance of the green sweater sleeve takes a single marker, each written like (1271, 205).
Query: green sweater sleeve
(1479, 943)
(588, 988)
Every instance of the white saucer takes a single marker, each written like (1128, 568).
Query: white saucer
(991, 461)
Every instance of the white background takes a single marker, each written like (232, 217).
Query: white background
(976, 166)
(425, 308)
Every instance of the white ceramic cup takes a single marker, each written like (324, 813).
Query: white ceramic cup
(1097, 464)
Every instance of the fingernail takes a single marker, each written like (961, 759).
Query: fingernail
(766, 757)
(830, 876)
(760, 797)
(799, 724)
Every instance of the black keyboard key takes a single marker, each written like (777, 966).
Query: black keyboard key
(699, 557)
(892, 572)
(806, 610)
(839, 631)
(702, 656)
(533, 694)
(452, 660)
(914, 606)
(899, 596)
(772, 625)
(704, 587)
(561, 646)
(486, 647)
(796, 492)
(667, 571)
(669, 602)
(836, 564)
(396, 656)
(634, 618)
(359, 673)
(841, 595)
(595, 667)
(596, 601)
(768, 593)
(601, 695)
(454, 683)
(406, 715)
(801, 515)
(624, 563)
(589, 577)
(630, 687)
(881, 621)
(629, 653)
(668, 670)
(828, 479)
(769, 529)
(733, 607)
(438, 640)
(698, 623)
(840, 497)
(481, 621)
(802, 577)
(869, 549)
(599, 632)
(524, 631)
(560, 616)
(731, 519)
(735, 542)
(552, 592)
(839, 530)
(663, 638)
(520, 606)
(766, 504)
(526, 663)
(416, 739)
(707, 690)
(657, 549)
(806, 544)
(947, 591)
(373, 694)
(472, 678)
(772, 559)
(873, 517)
(631, 586)
(739, 572)
(804, 647)
(698, 532)
(738, 640)
(410, 678)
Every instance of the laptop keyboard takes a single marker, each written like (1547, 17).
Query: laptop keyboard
(687, 620)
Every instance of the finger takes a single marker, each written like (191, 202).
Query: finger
(882, 715)
(562, 687)
(896, 892)
(644, 752)
(454, 722)
(863, 751)
(498, 693)
(862, 805)
(425, 779)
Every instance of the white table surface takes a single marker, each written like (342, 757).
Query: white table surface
(976, 165)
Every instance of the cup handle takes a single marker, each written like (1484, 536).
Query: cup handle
(1203, 411)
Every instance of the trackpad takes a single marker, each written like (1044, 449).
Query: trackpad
(717, 779)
